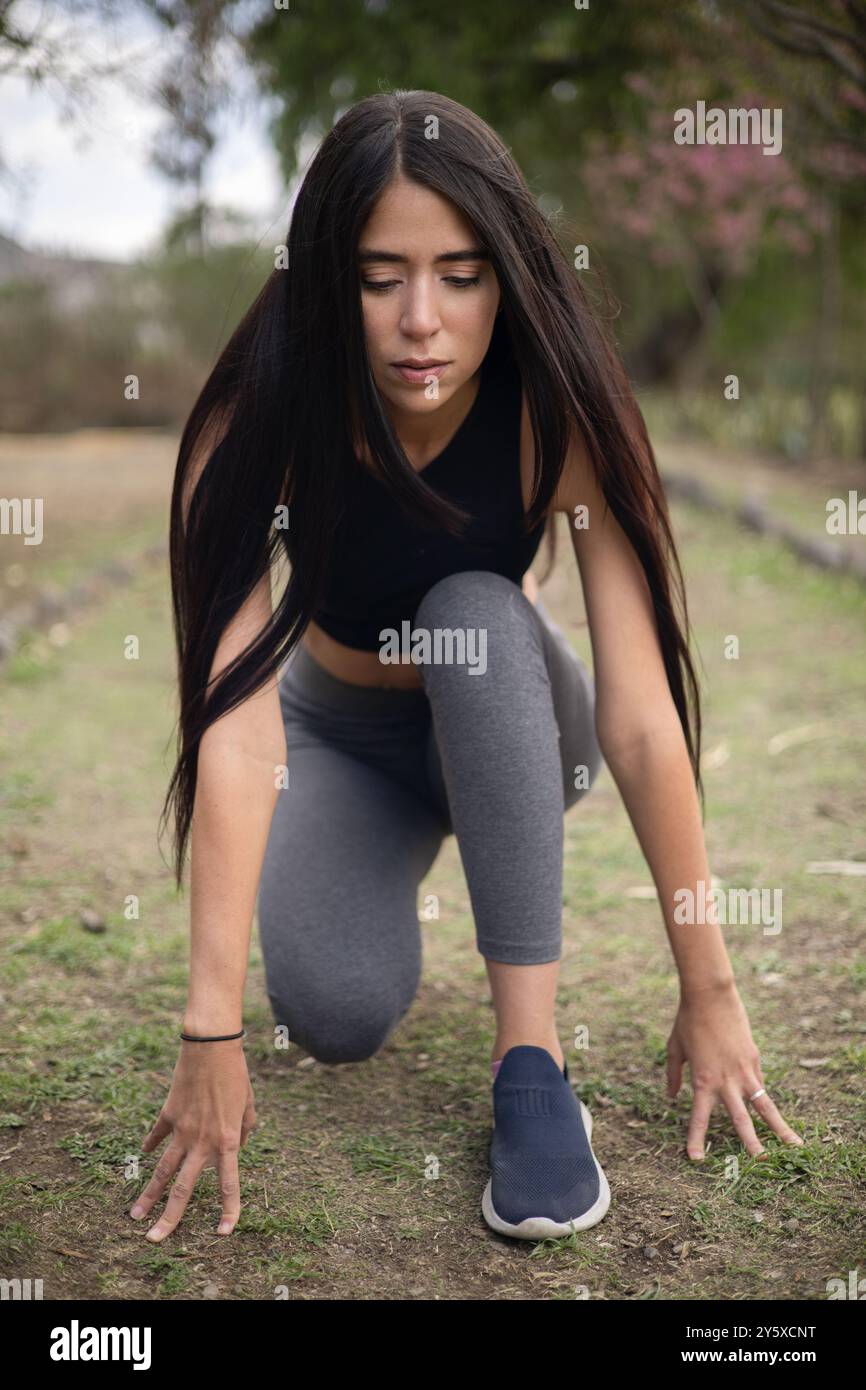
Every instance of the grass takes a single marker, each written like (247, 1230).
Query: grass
(364, 1181)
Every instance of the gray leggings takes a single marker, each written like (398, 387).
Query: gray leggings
(378, 777)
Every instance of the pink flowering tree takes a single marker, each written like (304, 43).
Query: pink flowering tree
(704, 210)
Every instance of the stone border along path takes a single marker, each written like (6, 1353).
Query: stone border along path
(753, 514)
(51, 605)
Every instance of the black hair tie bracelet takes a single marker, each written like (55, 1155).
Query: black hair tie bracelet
(223, 1037)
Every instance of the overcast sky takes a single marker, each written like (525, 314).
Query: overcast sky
(84, 184)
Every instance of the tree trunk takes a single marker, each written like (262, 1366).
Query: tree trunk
(675, 335)
(826, 331)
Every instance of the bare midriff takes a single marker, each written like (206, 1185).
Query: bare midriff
(364, 668)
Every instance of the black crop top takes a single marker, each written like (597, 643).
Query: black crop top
(383, 563)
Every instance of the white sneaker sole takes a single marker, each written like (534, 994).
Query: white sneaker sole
(542, 1227)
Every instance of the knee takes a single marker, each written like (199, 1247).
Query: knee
(344, 1034)
(476, 617)
(471, 593)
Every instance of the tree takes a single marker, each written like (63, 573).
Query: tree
(192, 90)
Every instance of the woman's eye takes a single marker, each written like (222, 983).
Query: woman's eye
(461, 283)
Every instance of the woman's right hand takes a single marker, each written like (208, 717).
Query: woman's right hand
(210, 1112)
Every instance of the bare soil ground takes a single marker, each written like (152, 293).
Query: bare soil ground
(338, 1197)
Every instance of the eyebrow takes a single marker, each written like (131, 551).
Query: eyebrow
(472, 253)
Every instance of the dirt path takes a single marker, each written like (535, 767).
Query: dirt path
(337, 1201)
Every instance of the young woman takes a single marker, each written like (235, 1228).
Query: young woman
(418, 390)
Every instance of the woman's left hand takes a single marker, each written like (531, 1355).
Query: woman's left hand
(711, 1032)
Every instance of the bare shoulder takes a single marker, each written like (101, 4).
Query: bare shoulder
(617, 597)
(577, 484)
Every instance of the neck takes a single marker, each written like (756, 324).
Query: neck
(424, 437)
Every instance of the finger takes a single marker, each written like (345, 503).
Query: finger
(771, 1117)
(249, 1123)
(743, 1121)
(674, 1071)
(702, 1109)
(157, 1134)
(230, 1188)
(181, 1191)
(166, 1165)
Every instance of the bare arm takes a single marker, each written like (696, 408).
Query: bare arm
(210, 1110)
(645, 748)
(236, 792)
(234, 804)
(637, 722)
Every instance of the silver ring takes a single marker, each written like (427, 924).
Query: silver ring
(762, 1092)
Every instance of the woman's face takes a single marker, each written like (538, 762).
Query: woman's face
(419, 306)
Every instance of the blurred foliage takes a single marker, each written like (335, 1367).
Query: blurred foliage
(771, 421)
(163, 320)
(720, 259)
(549, 76)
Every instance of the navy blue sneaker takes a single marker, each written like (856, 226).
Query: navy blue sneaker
(545, 1179)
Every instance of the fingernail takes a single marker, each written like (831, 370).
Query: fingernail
(137, 1211)
(154, 1233)
(224, 1228)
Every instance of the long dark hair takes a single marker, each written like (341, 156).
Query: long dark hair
(294, 376)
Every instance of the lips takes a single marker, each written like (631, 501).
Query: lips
(420, 375)
(418, 366)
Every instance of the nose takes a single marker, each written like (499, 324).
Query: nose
(420, 315)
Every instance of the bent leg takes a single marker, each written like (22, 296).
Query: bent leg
(573, 692)
(338, 914)
(505, 744)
